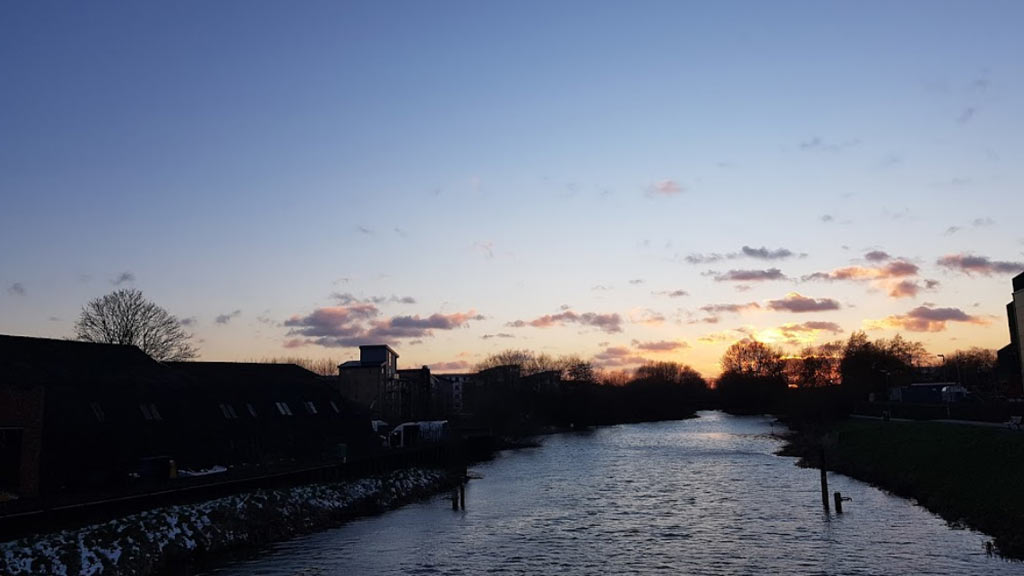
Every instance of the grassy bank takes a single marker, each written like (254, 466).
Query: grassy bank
(969, 475)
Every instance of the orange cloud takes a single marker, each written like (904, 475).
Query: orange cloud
(925, 319)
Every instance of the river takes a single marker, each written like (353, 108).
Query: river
(702, 496)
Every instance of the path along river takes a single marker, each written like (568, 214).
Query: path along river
(701, 496)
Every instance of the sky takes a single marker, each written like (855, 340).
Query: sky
(627, 182)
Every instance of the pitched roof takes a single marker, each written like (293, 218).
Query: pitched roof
(28, 360)
(249, 371)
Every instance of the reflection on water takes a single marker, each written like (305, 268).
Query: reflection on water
(699, 496)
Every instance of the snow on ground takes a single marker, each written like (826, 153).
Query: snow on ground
(142, 542)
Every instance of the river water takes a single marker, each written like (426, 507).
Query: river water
(701, 496)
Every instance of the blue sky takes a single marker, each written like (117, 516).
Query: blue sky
(541, 175)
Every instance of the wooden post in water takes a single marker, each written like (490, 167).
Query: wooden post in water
(462, 495)
(824, 482)
(455, 497)
(839, 502)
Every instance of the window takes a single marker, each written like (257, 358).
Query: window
(228, 411)
(335, 407)
(97, 411)
(310, 407)
(149, 412)
(283, 408)
(251, 409)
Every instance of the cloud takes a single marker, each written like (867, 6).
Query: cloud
(454, 366)
(983, 222)
(485, 248)
(925, 319)
(346, 298)
(894, 269)
(617, 357)
(817, 144)
(225, 318)
(704, 258)
(636, 281)
(750, 275)
(609, 323)
(498, 335)
(660, 346)
(724, 336)
(763, 253)
(826, 218)
(16, 289)
(910, 288)
(123, 278)
(187, 322)
(813, 326)
(967, 115)
(877, 256)
(970, 264)
(646, 316)
(794, 302)
(665, 188)
(677, 293)
(730, 308)
(359, 323)
(364, 230)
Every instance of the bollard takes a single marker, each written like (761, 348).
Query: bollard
(455, 498)
(462, 496)
(839, 502)
(824, 482)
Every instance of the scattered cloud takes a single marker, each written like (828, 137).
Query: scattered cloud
(346, 298)
(877, 256)
(818, 144)
(794, 302)
(364, 230)
(609, 323)
(485, 248)
(454, 366)
(812, 326)
(983, 222)
(724, 336)
(763, 253)
(646, 316)
(498, 335)
(123, 278)
(665, 188)
(226, 318)
(672, 293)
(360, 323)
(952, 230)
(749, 275)
(600, 288)
(910, 288)
(16, 289)
(704, 258)
(730, 308)
(925, 319)
(967, 115)
(894, 269)
(188, 322)
(636, 281)
(826, 218)
(618, 357)
(970, 264)
(660, 346)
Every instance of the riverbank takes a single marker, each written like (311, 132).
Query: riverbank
(151, 542)
(970, 476)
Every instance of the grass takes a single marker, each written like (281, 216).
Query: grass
(966, 474)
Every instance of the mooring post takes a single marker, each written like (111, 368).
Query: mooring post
(839, 502)
(455, 497)
(462, 495)
(824, 482)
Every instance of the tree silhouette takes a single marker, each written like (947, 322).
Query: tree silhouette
(126, 317)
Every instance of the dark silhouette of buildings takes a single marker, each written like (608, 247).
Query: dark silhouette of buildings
(1009, 357)
(80, 416)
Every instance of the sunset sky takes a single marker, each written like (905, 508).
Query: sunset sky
(623, 181)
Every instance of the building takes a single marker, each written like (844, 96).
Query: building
(1010, 365)
(372, 381)
(80, 416)
(418, 389)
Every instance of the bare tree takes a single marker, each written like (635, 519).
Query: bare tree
(126, 317)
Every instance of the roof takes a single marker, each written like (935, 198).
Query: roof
(360, 364)
(28, 360)
(374, 346)
(249, 371)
